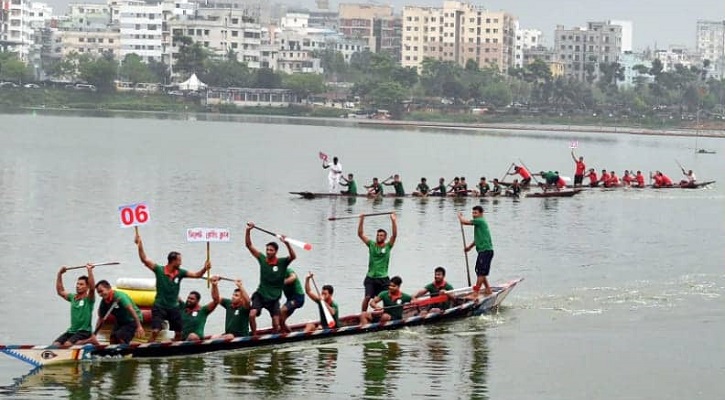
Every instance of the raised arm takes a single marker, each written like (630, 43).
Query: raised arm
(312, 295)
(200, 273)
(91, 283)
(248, 240)
(215, 298)
(394, 234)
(245, 296)
(360, 232)
(59, 283)
(573, 157)
(142, 254)
(290, 250)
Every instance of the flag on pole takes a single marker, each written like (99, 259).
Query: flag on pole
(323, 156)
(574, 144)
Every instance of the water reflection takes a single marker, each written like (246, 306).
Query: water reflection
(269, 373)
(167, 376)
(380, 362)
(479, 368)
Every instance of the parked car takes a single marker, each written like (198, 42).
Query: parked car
(8, 85)
(83, 86)
(31, 86)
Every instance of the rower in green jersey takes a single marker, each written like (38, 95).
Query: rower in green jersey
(393, 300)
(349, 182)
(441, 189)
(375, 188)
(397, 184)
(194, 316)
(127, 315)
(168, 283)
(323, 300)
(483, 187)
(81, 307)
(236, 321)
(295, 298)
(377, 279)
(272, 272)
(422, 189)
(437, 287)
(484, 246)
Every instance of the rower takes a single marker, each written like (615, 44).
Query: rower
(514, 190)
(393, 300)
(666, 180)
(439, 286)
(422, 189)
(194, 316)
(441, 189)
(627, 178)
(81, 307)
(454, 186)
(593, 181)
(238, 311)
(689, 179)
(560, 181)
(375, 188)
(525, 174)
(639, 178)
(295, 298)
(126, 313)
(397, 185)
(613, 180)
(376, 279)
(168, 283)
(348, 182)
(462, 188)
(605, 178)
(483, 187)
(551, 178)
(484, 246)
(323, 300)
(496, 191)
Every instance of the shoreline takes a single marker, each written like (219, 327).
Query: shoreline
(354, 122)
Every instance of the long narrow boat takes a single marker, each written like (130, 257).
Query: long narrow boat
(38, 356)
(555, 193)
(321, 195)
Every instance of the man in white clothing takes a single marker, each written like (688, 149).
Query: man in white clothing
(334, 175)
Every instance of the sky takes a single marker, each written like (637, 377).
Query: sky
(656, 22)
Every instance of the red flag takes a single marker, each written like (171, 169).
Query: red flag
(323, 156)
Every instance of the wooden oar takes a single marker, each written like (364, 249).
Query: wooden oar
(681, 168)
(507, 172)
(294, 242)
(95, 265)
(533, 175)
(325, 311)
(465, 254)
(208, 260)
(105, 317)
(357, 216)
(221, 278)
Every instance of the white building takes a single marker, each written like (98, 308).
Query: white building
(627, 33)
(140, 28)
(295, 20)
(677, 54)
(582, 50)
(526, 39)
(629, 61)
(711, 45)
(16, 34)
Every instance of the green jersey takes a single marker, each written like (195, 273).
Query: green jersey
(193, 321)
(167, 289)
(236, 321)
(81, 313)
(481, 235)
(483, 188)
(120, 312)
(351, 187)
(294, 289)
(335, 315)
(398, 186)
(422, 188)
(379, 259)
(271, 277)
(434, 290)
(394, 308)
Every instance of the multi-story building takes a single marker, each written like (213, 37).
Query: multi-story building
(581, 50)
(16, 33)
(376, 24)
(525, 39)
(627, 34)
(678, 54)
(94, 42)
(458, 32)
(711, 45)
(629, 61)
(140, 27)
(221, 31)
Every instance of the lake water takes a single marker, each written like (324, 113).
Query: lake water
(622, 295)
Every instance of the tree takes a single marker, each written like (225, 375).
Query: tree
(267, 78)
(498, 94)
(304, 85)
(191, 56)
(99, 72)
(134, 70)
(12, 69)
(227, 73)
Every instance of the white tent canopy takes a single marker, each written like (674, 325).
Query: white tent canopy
(193, 83)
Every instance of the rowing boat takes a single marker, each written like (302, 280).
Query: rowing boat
(320, 195)
(38, 356)
(555, 193)
(696, 185)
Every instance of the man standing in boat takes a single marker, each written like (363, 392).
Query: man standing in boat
(194, 315)
(350, 184)
(81, 307)
(272, 272)
(323, 300)
(294, 295)
(168, 283)
(377, 279)
(236, 320)
(126, 313)
(579, 171)
(333, 177)
(484, 246)
(393, 299)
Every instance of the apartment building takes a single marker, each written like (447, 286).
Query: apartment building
(525, 39)
(92, 41)
(140, 26)
(458, 32)
(16, 34)
(375, 24)
(710, 44)
(581, 50)
(220, 31)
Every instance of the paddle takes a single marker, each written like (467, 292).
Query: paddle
(325, 311)
(105, 317)
(95, 265)
(681, 167)
(465, 254)
(357, 216)
(294, 242)
(221, 278)
(529, 169)
(507, 172)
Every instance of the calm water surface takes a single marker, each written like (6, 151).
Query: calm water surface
(622, 297)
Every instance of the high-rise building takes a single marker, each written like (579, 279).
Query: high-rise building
(711, 45)
(458, 32)
(375, 24)
(525, 39)
(16, 33)
(627, 34)
(582, 50)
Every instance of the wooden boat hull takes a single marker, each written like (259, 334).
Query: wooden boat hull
(319, 195)
(555, 193)
(38, 356)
